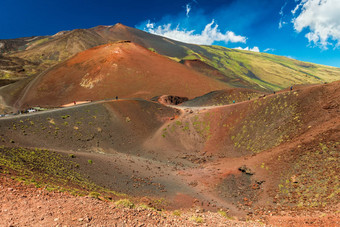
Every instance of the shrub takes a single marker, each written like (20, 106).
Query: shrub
(177, 213)
(197, 219)
(224, 214)
(94, 195)
(125, 203)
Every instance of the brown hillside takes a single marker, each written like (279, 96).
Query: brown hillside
(121, 69)
(161, 44)
(259, 71)
(254, 158)
(224, 97)
(57, 48)
(47, 51)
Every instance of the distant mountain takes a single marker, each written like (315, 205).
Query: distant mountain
(13, 45)
(238, 68)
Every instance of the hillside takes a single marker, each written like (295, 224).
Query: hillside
(13, 45)
(143, 130)
(238, 68)
(248, 159)
(122, 69)
(224, 97)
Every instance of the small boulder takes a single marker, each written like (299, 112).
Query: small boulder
(246, 170)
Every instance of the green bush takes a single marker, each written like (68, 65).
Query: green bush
(125, 203)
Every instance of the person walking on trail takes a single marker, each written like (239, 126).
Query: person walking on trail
(233, 101)
(116, 97)
(291, 88)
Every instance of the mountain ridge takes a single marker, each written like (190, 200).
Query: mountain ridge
(239, 68)
(123, 69)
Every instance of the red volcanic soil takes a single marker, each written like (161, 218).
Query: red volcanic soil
(277, 138)
(23, 205)
(121, 69)
(272, 158)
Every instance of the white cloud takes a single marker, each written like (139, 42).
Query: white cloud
(281, 23)
(322, 17)
(188, 9)
(269, 50)
(208, 36)
(150, 25)
(297, 7)
(254, 49)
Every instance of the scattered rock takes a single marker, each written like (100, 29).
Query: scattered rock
(259, 182)
(193, 183)
(246, 170)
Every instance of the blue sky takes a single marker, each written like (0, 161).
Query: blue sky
(307, 30)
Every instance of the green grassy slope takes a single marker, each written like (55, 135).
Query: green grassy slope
(267, 71)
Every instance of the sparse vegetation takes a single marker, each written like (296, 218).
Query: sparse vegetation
(126, 203)
(197, 219)
(145, 207)
(37, 163)
(259, 132)
(48, 169)
(177, 213)
(312, 181)
(152, 49)
(94, 195)
(224, 214)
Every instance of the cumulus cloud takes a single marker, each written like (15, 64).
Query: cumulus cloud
(322, 18)
(208, 36)
(254, 49)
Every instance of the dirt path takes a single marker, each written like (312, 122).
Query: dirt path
(63, 108)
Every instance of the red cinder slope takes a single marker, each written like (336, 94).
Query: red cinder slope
(121, 69)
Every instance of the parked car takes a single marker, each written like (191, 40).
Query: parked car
(31, 110)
